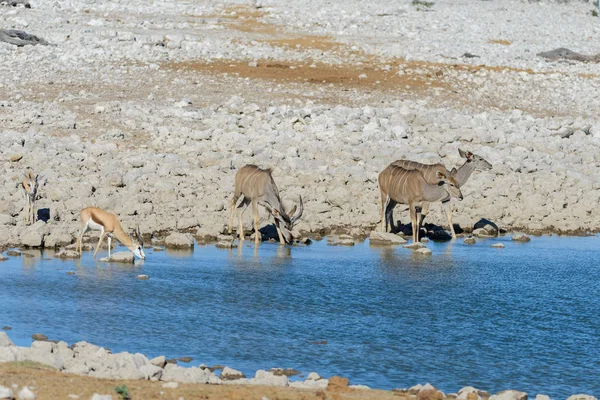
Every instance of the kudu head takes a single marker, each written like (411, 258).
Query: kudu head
(450, 184)
(478, 162)
(138, 245)
(286, 221)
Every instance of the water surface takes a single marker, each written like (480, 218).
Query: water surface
(523, 317)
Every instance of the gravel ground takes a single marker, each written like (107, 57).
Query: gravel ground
(148, 109)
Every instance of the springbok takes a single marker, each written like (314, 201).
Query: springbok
(30, 186)
(473, 163)
(257, 186)
(400, 185)
(107, 223)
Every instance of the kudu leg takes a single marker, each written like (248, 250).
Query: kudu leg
(413, 221)
(424, 212)
(255, 215)
(385, 200)
(234, 200)
(240, 211)
(448, 210)
(281, 239)
(99, 243)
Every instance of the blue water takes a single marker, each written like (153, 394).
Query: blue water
(524, 317)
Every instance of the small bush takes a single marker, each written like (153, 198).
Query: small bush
(123, 392)
(422, 3)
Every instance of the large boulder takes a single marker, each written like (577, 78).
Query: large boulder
(178, 240)
(57, 239)
(67, 254)
(510, 395)
(581, 397)
(32, 238)
(125, 257)
(6, 393)
(175, 373)
(385, 238)
(5, 340)
(268, 378)
(230, 374)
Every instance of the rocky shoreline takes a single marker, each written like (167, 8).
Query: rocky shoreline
(86, 359)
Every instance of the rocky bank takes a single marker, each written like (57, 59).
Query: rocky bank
(151, 116)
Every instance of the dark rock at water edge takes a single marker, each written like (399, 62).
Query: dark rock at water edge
(39, 337)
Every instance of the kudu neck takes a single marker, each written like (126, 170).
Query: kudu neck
(433, 193)
(464, 173)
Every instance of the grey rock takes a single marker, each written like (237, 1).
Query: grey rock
(385, 238)
(268, 378)
(32, 239)
(230, 374)
(521, 238)
(54, 240)
(581, 397)
(226, 245)
(142, 277)
(159, 361)
(6, 393)
(67, 254)
(178, 240)
(470, 240)
(542, 397)
(313, 376)
(125, 257)
(482, 233)
(20, 39)
(176, 373)
(498, 245)
(26, 394)
(39, 336)
(423, 251)
(3, 258)
(5, 340)
(509, 395)
(13, 253)
(170, 385)
(414, 246)
(97, 396)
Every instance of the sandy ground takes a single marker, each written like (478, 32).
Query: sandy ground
(52, 385)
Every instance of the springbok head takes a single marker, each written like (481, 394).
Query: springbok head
(138, 244)
(478, 162)
(286, 221)
(450, 184)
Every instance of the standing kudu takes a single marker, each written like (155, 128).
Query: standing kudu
(462, 174)
(257, 186)
(399, 185)
(30, 186)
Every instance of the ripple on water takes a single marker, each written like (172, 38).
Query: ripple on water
(524, 317)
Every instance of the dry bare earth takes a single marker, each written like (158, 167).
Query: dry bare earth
(48, 384)
(145, 109)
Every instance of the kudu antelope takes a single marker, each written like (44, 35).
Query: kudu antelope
(399, 185)
(30, 186)
(472, 163)
(107, 223)
(257, 186)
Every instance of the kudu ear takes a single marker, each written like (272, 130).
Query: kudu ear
(465, 154)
